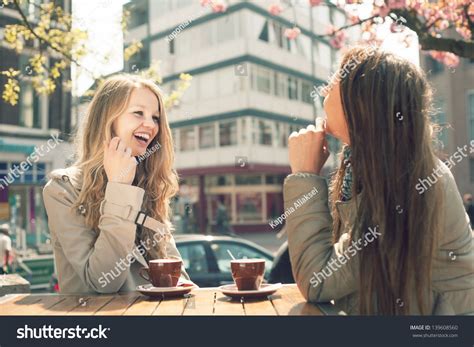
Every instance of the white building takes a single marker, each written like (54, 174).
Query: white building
(251, 88)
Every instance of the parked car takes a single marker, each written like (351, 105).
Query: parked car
(207, 260)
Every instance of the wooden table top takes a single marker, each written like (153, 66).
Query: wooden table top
(203, 301)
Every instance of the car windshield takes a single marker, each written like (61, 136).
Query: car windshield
(239, 251)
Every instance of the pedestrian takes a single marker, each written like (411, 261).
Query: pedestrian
(223, 226)
(5, 248)
(468, 205)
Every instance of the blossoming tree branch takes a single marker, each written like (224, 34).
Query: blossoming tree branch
(445, 29)
(56, 45)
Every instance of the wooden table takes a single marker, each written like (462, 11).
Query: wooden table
(13, 283)
(204, 301)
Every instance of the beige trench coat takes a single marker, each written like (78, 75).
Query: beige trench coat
(311, 250)
(95, 262)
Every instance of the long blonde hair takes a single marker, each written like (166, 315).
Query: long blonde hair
(155, 174)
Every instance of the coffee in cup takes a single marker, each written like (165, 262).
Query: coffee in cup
(247, 273)
(162, 272)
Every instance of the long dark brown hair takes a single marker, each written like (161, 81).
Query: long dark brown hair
(387, 106)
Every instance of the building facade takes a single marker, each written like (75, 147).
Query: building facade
(33, 139)
(251, 88)
(454, 101)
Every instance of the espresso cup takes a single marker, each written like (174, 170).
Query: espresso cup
(247, 273)
(162, 272)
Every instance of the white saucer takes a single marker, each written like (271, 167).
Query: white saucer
(264, 290)
(163, 292)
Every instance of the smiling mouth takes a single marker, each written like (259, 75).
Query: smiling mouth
(142, 138)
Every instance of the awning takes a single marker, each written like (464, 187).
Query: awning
(15, 148)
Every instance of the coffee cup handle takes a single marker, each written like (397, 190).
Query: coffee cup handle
(142, 272)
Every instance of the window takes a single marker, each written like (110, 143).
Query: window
(281, 135)
(243, 130)
(292, 88)
(441, 120)
(139, 60)
(248, 179)
(239, 251)
(265, 132)
(306, 92)
(281, 85)
(138, 14)
(206, 136)
(278, 32)
(187, 139)
(218, 181)
(274, 179)
(228, 133)
(194, 258)
(264, 33)
(433, 65)
(471, 170)
(263, 80)
(220, 211)
(470, 110)
(249, 207)
(275, 205)
(36, 173)
(29, 107)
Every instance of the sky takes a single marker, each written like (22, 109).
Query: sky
(101, 18)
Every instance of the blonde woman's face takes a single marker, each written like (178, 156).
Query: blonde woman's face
(336, 124)
(138, 125)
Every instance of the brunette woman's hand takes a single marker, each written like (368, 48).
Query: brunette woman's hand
(308, 148)
(119, 164)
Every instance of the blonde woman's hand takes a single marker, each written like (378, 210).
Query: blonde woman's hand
(119, 164)
(308, 148)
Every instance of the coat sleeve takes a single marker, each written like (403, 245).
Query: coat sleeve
(93, 254)
(323, 271)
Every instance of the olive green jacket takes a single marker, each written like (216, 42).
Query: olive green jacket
(325, 271)
(87, 261)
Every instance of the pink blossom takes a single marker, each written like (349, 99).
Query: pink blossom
(275, 9)
(218, 7)
(447, 58)
(292, 33)
(383, 11)
(315, 2)
(442, 25)
(354, 19)
(464, 32)
(397, 4)
(330, 29)
(205, 2)
(337, 41)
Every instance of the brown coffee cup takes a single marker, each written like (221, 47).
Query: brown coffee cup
(162, 272)
(247, 273)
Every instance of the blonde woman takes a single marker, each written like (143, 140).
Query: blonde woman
(124, 159)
